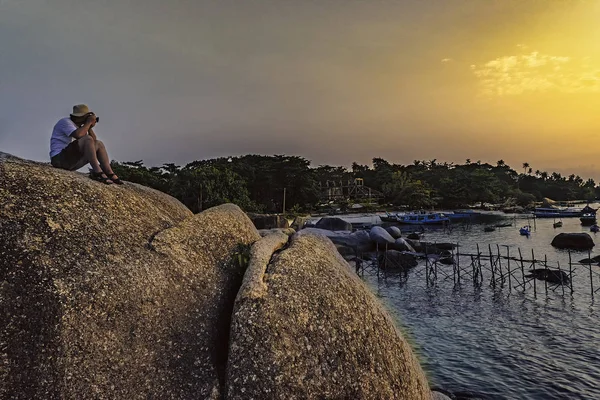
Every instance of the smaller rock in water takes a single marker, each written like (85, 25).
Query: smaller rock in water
(380, 236)
(394, 231)
(402, 245)
(334, 224)
(573, 241)
(413, 236)
(550, 275)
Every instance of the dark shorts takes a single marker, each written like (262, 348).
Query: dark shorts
(70, 158)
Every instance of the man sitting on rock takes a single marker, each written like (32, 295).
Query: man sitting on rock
(74, 144)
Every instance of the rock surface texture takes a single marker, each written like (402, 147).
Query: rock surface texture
(120, 292)
(312, 330)
(111, 292)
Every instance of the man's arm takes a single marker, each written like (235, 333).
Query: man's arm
(85, 128)
(92, 134)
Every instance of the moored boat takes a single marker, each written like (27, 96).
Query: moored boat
(551, 212)
(594, 228)
(422, 218)
(525, 231)
(588, 216)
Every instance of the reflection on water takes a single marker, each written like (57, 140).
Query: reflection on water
(506, 346)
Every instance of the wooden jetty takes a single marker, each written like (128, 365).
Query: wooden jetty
(492, 265)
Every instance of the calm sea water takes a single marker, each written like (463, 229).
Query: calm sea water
(499, 344)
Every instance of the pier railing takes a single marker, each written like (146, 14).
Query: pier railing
(493, 265)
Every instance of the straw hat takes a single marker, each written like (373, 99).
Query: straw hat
(80, 110)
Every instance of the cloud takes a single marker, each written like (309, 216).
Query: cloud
(446, 60)
(537, 72)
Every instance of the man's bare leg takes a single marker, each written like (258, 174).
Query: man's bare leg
(102, 156)
(87, 145)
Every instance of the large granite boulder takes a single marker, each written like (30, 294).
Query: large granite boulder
(112, 292)
(305, 327)
(573, 241)
(333, 224)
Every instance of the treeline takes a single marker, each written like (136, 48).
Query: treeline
(257, 183)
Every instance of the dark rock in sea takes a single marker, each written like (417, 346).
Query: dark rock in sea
(308, 328)
(588, 261)
(446, 260)
(268, 221)
(333, 224)
(360, 240)
(396, 260)
(551, 275)
(346, 252)
(413, 236)
(394, 231)
(112, 292)
(415, 244)
(402, 245)
(573, 241)
(381, 237)
(437, 248)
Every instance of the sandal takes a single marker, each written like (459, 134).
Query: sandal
(98, 176)
(115, 179)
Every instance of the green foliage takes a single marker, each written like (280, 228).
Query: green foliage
(241, 255)
(258, 183)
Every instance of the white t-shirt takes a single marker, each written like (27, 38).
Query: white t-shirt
(61, 135)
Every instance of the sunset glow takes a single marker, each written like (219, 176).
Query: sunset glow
(336, 81)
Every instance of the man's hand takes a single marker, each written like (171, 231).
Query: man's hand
(91, 120)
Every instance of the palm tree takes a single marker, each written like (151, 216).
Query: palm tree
(525, 166)
(529, 171)
(537, 172)
(500, 163)
(468, 162)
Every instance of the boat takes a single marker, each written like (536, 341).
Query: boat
(388, 217)
(422, 218)
(594, 228)
(489, 229)
(462, 215)
(588, 216)
(525, 231)
(552, 212)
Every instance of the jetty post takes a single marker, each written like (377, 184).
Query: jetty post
(562, 284)
(534, 280)
(591, 276)
(522, 268)
(493, 265)
(502, 279)
(546, 268)
(508, 267)
(570, 272)
(458, 262)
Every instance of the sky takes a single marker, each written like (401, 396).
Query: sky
(335, 81)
